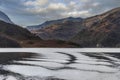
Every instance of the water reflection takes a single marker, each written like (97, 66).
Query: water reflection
(59, 66)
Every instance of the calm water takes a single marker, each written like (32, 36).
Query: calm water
(59, 64)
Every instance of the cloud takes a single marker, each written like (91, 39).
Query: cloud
(52, 7)
(36, 2)
(77, 13)
(28, 12)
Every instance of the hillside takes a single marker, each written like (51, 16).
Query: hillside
(14, 33)
(15, 36)
(100, 31)
(63, 29)
(52, 22)
(6, 42)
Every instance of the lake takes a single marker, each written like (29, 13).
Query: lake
(59, 64)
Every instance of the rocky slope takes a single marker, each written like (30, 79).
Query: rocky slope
(14, 31)
(52, 22)
(15, 36)
(100, 31)
(10, 33)
(63, 29)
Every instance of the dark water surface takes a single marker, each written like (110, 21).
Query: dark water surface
(59, 66)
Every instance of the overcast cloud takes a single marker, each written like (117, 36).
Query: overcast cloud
(30, 12)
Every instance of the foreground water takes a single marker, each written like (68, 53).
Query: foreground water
(59, 64)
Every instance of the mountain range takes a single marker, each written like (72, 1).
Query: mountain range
(12, 35)
(62, 29)
(52, 22)
(102, 30)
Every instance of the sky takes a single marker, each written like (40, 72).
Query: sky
(34, 12)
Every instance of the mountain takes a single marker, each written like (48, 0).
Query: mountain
(62, 29)
(14, 31)
(52, 22)
(5, 18)
(100, 31)
(13, 36)
(10, 33)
